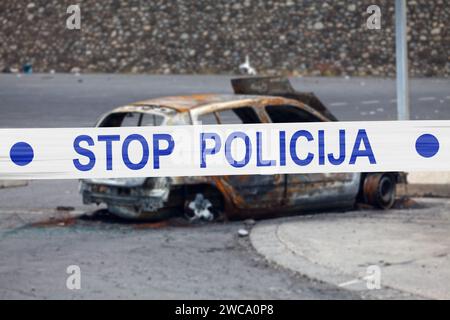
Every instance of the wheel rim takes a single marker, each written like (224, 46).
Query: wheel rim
(386, 190)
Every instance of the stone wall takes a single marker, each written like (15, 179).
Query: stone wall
(308, 37)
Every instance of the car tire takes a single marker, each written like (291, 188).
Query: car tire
(380, 190)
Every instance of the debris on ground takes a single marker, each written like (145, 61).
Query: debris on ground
(249, 222)
(65, 208)
(407, 203)
(103, 217)
(403, 202)
(243, 233)
(176, 223)
(56, 222)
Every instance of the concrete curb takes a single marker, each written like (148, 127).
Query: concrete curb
(426, 184)
(12, 183)
(425, 190)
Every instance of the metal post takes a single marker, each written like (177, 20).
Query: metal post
(402, 60)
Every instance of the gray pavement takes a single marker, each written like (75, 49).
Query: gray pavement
(142, 261)
(410, 247)
(40, 194)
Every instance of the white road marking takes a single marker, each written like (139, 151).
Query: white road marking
(348, 283)
(338, 104)
(427, 99)
(371, 102)
(393, 100)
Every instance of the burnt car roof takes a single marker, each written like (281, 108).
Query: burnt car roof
(254, 89)
(188, 102)
(173, 104)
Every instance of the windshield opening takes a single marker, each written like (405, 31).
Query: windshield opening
(132, 119)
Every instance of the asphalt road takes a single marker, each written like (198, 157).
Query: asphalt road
(129, 261)
(119, 261)
(65, 100)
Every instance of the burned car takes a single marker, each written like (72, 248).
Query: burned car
(256, 100)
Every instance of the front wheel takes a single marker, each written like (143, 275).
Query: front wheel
(200, 208)
(379, 190)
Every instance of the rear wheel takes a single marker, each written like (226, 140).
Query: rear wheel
(379, 190)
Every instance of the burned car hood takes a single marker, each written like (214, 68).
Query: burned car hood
(119, 182)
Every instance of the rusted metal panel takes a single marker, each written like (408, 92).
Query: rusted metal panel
(255, 191)
(307, 190)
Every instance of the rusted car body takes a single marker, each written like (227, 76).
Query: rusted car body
(260, 100)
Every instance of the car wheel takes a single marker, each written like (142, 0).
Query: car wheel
(199, 208)
(380, 190)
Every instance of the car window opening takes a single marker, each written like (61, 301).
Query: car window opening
(247, 115)
(242, 115)
(132, 119)
(287, 114)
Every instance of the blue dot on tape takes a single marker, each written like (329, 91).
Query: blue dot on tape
(427, 145)
(21, 153)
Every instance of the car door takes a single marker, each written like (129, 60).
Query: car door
(259, 192)
(314, 190)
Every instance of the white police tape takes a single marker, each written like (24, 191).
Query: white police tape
(320, 147)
